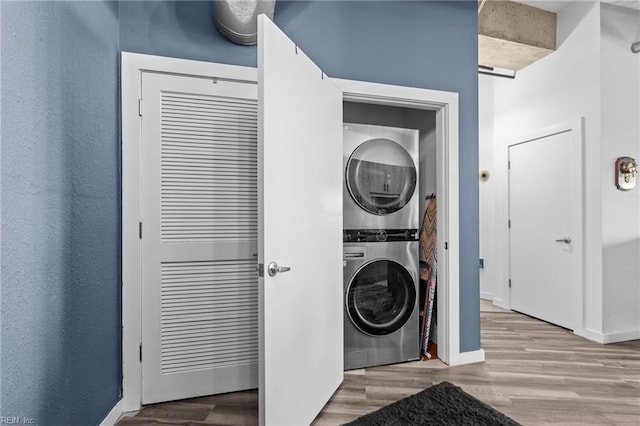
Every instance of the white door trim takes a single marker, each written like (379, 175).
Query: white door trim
(132, 67)
(576, 127)
(445, 105)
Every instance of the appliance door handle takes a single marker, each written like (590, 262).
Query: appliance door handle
(353, 255)
(273, 269)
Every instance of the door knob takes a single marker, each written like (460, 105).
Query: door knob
(273, 269)
(565, 240)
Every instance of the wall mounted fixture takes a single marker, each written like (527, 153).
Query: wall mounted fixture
(626, 171)
(237, 19)
(496, 72)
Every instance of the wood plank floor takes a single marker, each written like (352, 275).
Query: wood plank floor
(536, 373)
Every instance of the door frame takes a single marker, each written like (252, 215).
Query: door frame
(576, 127)
(445, 105)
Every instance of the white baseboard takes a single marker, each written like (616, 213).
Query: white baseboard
(486, 295)
(621, 336)
(588, 334)
(501, 304)
(114, 415)
(605, 338)
(470, 357)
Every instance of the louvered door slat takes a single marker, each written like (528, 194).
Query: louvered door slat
(221, 142)
(172, 335)
(207, 169)
(195, 98)
(221, 139)
(204, 110)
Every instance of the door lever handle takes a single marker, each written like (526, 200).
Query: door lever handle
(273, 269)
(565, 240)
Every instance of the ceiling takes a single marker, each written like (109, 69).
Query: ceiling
(556, 5)
(514, 36)
(631, 4)
(549, 5)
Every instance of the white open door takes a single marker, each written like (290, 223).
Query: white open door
(299, 227)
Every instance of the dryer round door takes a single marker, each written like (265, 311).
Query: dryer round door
(380, 297)
(381, 176)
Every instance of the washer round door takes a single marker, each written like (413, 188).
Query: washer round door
(380, 297)
(381, 176)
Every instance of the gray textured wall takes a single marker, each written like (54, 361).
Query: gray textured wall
(60, 223)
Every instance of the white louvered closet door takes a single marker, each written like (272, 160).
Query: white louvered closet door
(199, 230)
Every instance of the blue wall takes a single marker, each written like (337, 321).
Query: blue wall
(60, 187)
(421, 44)
(60, 223)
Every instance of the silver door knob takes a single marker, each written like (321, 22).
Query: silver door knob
(565, 240)
(273, 269)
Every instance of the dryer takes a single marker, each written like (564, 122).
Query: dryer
(380, 177)
(381, 318)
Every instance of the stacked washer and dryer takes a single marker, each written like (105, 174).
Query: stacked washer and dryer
(380, 245)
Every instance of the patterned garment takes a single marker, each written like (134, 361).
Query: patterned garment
(428, 269)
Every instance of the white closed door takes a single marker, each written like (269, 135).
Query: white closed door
(198, 236)
(300, 227)
(545, 228)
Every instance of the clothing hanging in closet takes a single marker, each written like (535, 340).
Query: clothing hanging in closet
(428, 269)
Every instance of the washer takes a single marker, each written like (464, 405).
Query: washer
(381, 176)
(381, 318)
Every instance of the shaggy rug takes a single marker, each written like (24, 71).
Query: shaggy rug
(441, 404)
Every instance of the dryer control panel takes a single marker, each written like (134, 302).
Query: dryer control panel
(379, 235)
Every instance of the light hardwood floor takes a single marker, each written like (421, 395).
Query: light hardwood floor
(534, 372)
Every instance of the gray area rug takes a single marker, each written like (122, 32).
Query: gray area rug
(441, 404)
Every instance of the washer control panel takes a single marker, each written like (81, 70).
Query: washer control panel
(379, 235)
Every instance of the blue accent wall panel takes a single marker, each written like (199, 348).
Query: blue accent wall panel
(427, 44)
(178, 29)
(60, 200)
